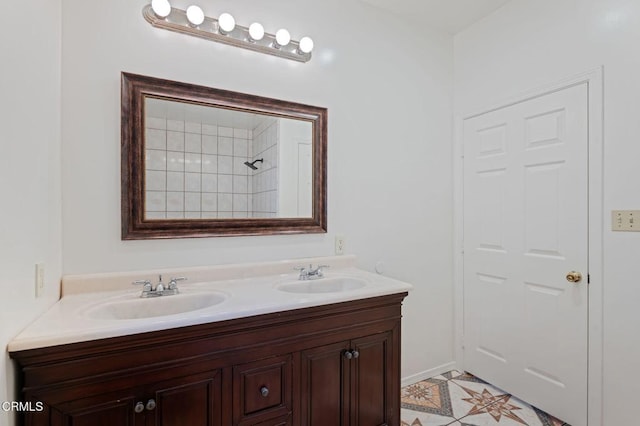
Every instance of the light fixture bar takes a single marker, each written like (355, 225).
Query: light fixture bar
(239, 37)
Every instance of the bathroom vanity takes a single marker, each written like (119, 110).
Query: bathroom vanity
(308, 355)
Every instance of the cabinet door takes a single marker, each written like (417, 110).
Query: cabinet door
(192, 400)
(373, 389)
(104, 410)
(281, 421)
(113, 413)
(323, 383)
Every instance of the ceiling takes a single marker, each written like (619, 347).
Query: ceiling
(448, 15)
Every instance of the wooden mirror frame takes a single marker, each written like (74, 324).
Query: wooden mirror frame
(135, 88)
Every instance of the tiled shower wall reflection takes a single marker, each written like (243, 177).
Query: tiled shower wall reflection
(197, 171)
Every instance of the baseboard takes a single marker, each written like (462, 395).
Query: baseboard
(414, 378)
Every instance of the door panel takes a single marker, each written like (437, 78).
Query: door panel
(118, 413)
(193, 400)
(324, 380)
(105, 410)
(372, 387)
(525, 228)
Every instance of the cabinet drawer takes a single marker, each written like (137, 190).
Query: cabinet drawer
(262, 390)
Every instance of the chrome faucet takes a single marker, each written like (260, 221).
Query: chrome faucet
(160, 289)
(311, 273)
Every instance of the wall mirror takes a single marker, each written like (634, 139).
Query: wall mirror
(203, 162)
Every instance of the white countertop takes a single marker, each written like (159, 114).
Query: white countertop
(70, 321)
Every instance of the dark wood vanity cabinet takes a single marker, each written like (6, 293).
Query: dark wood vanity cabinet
(328, 365)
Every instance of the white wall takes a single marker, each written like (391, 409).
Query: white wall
(388, 91)
(529, 43)
(30, 224)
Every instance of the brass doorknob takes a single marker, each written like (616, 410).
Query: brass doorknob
(574, 277)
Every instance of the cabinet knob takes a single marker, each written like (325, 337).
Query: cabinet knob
(151, 405)
(139, 408)
(264, 391)
(348, 354)
(355, 353)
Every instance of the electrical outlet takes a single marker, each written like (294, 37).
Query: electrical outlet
(39, 279)
(339, 244)
(625, 220)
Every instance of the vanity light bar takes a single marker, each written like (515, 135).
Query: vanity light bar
(239, 36)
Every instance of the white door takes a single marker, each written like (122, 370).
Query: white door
(525, 229)
(305, 180)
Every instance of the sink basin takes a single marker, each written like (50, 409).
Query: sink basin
(323, 285)
(135, 308)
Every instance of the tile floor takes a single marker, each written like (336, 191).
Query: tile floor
(460, 399)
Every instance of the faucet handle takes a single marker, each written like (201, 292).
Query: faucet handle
(146, 284)
(321, 268)
(304, 272)
(173, 282)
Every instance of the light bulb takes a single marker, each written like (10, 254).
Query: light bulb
(282, 37)
(195, 15)
(227, 23)
(256, 31)
(306, 45)
(162, 8)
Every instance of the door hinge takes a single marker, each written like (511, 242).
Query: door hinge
(588, 278)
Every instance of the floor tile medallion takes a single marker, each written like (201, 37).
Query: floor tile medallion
(417, 418)
(428, 396)
(471, 396)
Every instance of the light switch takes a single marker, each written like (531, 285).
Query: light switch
(625, 220)
(339, 244)
(39, 279)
